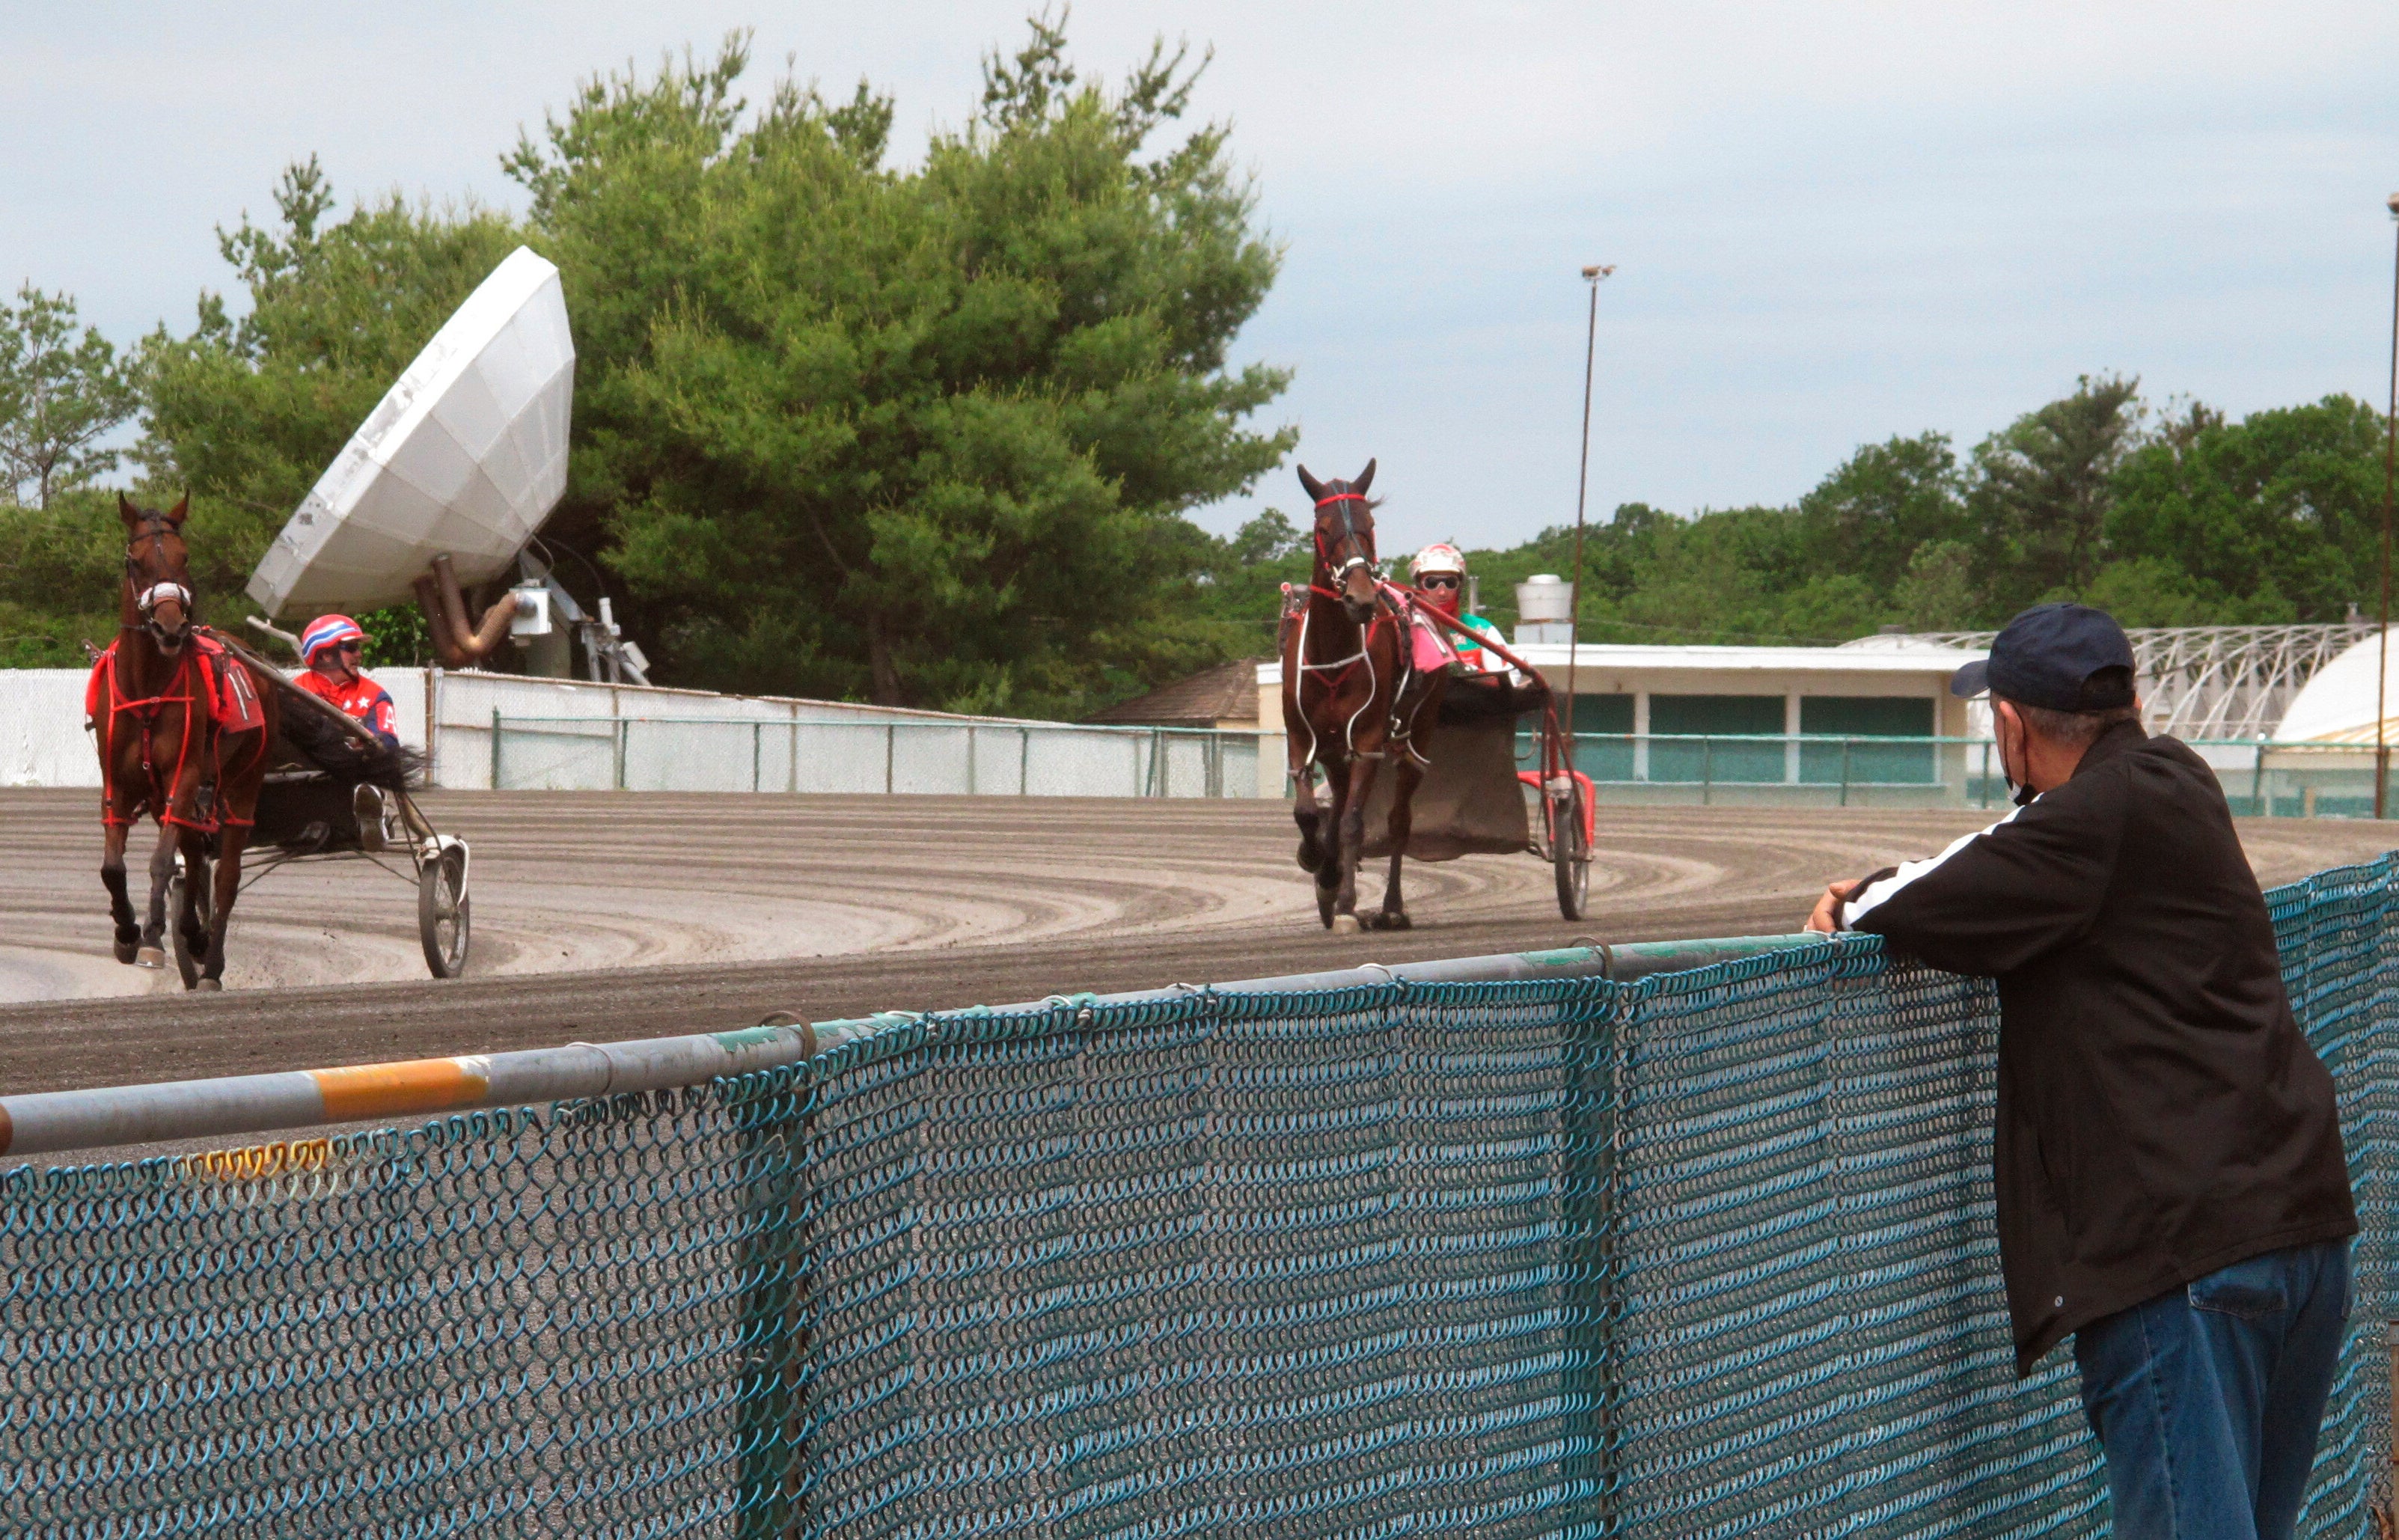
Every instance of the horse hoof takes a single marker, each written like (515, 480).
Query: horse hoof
(1389, 920)
(150, 957)
(208, 983)
(125, 951)
(1310, 859)
(1346, 925)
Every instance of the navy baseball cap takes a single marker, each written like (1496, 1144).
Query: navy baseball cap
(2055, 655)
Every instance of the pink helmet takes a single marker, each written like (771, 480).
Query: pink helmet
(325, 632)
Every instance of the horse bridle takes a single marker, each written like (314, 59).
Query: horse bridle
(147, 601)
(1349, 537)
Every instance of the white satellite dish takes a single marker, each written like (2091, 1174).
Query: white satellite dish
(465, 456)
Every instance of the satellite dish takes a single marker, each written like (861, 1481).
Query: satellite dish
(465, 456)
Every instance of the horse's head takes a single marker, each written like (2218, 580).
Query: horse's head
(1345, 538)
(157, 572)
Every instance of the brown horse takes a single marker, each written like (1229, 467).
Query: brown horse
(161, 754)
(1350, 695)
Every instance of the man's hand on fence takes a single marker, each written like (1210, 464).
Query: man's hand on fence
(1827, 915)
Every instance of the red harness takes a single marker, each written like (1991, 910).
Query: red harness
(205, 700)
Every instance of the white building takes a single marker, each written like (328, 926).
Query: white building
(1734, 722)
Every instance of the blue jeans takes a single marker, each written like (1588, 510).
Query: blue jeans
(2207, 1399)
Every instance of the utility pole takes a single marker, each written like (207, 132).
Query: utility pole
(1582, 487)
(2389, 457)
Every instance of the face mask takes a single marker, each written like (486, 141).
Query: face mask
(2022, 795)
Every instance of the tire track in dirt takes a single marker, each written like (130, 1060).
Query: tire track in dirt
(602, 916)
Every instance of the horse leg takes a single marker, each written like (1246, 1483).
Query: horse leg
(154, 928)
(1328, 871)
(186, 918)
(1404, 791)
(232, 839)
(120, 900)
(1304, 812)
(1349, 813)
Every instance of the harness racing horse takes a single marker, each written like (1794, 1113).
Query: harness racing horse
(1351, 695)
(154, 701)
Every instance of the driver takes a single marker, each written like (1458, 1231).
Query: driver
(1439, 574)
(1481, 687)
(332, 644)
(330, 647)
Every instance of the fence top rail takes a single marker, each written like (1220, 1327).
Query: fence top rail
(50, 1122)
(946, 725)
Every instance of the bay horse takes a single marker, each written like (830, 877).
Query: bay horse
(1351, 695)
(161, 754)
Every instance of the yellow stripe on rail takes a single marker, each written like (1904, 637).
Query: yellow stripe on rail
(410, 1086)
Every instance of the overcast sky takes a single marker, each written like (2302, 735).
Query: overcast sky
(1831, 222)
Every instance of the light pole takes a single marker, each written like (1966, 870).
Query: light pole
(1592, 276)
(2389, 452)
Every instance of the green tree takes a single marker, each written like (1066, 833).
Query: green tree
(2277, 516)
(2041, 491)
(1869, 518)
(248, 413)
(918, 435)
(60, 393)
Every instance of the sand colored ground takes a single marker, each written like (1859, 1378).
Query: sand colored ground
(601, 916)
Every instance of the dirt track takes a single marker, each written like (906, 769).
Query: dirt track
(606, 916)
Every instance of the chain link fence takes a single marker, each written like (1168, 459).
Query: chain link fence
(1706, 1255)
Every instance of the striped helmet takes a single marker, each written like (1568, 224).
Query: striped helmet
(1437, 557)
(325, 632)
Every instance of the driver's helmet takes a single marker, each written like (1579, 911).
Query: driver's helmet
(325, 632)
(1437, 557)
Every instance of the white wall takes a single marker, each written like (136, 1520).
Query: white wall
(798, 745)
(42, 740)
(42, 737)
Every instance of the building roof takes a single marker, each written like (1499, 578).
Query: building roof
(1593, 658)
(1226, 693)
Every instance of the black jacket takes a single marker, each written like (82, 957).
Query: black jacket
(2160, 1115)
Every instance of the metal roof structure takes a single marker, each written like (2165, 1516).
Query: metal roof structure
(2206, 681)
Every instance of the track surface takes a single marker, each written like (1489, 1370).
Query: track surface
(608, 916)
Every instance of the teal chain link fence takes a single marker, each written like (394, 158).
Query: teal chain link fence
(1707, 1255)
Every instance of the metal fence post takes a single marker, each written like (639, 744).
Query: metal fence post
(433, 726)
(1024, 763)
(757, 742)
(624, 741)
(775, 1130)
(2258, 784)
(792, 766)
(890, 752)
(1987, 774)
(1707, 769)
(496, 748)
(1845, 770)
(970, 759)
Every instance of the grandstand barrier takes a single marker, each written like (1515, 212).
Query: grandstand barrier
(954, 757)
(1502, 1247)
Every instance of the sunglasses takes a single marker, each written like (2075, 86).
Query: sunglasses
(350, 647)
(1437, 580)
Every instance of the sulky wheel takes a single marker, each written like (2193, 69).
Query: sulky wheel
(1570, 853)
(442, 920)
